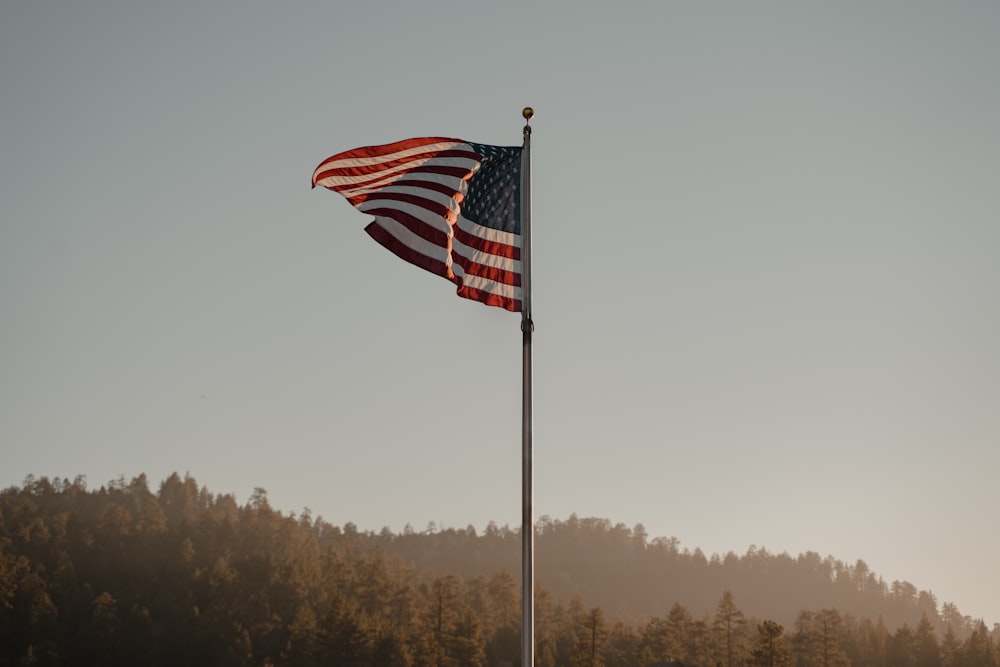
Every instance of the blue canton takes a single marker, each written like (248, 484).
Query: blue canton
(493, 199)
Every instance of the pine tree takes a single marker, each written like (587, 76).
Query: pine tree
(729, 627)
(590, 636)
(928, 653)
(770, 649)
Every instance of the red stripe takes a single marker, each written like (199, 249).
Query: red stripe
(446, 190)
(444, 170)
(368, 152)
(421, 158)
(363, 170)
(490, 299)
(414, 224)
(405, 252)
(484, 245)
(489, 272)
(427, 204)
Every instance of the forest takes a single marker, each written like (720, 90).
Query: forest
(123, 575)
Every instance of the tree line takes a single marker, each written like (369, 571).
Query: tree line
(121, 575)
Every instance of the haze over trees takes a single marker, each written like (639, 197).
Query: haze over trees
(123, 575)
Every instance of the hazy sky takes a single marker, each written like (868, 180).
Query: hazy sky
(765, 267)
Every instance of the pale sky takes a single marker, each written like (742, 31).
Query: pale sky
(765, 272)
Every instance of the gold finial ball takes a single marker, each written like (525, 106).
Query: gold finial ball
(527, 112)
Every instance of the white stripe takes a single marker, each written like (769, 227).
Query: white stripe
(346, 163)
(414, 242)
(432, 220)
(487, 285)
(485, 258)
(413, 189)
(451, 182)
(335, 180)
(488, 233)
(380, 181)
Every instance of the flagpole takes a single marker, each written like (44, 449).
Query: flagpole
(527, 327)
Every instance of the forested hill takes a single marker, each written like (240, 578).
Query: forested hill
(633, 577)
(183, 576)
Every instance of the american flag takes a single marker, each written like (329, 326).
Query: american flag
(449, 206)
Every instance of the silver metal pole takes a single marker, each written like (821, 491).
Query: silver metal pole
(527, 327)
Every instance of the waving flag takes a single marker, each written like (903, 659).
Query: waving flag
(449, 206)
